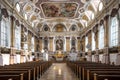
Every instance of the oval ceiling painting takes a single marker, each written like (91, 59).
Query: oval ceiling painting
(54, 9)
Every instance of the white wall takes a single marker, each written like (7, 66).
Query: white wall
(6, 59)
(101, 57)
(17, 58)
(93, 58)
(113, 58)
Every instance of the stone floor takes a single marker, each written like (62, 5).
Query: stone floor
(58, 71)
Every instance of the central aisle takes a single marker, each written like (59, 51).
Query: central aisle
(58, 71)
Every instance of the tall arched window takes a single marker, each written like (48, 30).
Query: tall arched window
(5, 32)
(18, 37)
(100, 7)
(86, 43)
(93, 41)
(32, 44)
(114, 32)
(18, 7)
(101, 37)
(26, 37)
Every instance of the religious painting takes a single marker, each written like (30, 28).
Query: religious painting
(59, 44)
(73, 42)
(54, 9)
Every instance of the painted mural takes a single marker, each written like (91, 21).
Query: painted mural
(59, 9)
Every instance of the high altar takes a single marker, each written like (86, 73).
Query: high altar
(59, 55)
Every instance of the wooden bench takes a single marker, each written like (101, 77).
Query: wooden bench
(11, 77)
(27, 73)
(29, 70)
(87, 70)
(106, 77)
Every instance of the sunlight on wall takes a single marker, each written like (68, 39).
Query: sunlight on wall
(17, 58)
(6, 58)
(100, 57)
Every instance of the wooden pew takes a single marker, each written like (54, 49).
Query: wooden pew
(33, 69)
(83, 70)
(106, 77)
(11, 77)
(27, 73)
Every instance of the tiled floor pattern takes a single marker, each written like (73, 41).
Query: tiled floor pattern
(58, 71)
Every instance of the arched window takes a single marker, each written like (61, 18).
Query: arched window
(26, 37)
(18, 37)
(32, 44)
(93, 41)
(92, 16)
(101, 37)
(32, 24)
(100, 7)
(25, 15)
(114, 32)
(5, 32)
(18, 7)
(86, 43)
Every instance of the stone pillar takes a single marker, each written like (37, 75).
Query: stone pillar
(68, 44)
(90, 42)
(12, 31)
(83, 47)
(29, 40)
(51, 44)
(106, 39)
(95, 30)
(12, 50)
(106, 30)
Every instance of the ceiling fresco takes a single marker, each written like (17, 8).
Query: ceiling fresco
(62, 9)
(67, 12)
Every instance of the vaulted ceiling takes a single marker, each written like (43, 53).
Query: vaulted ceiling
(50, 12)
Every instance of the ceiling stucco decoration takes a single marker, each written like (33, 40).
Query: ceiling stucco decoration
(67, 12)
(61, 9)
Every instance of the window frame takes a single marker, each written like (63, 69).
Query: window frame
(111, 36)
(101, 36)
